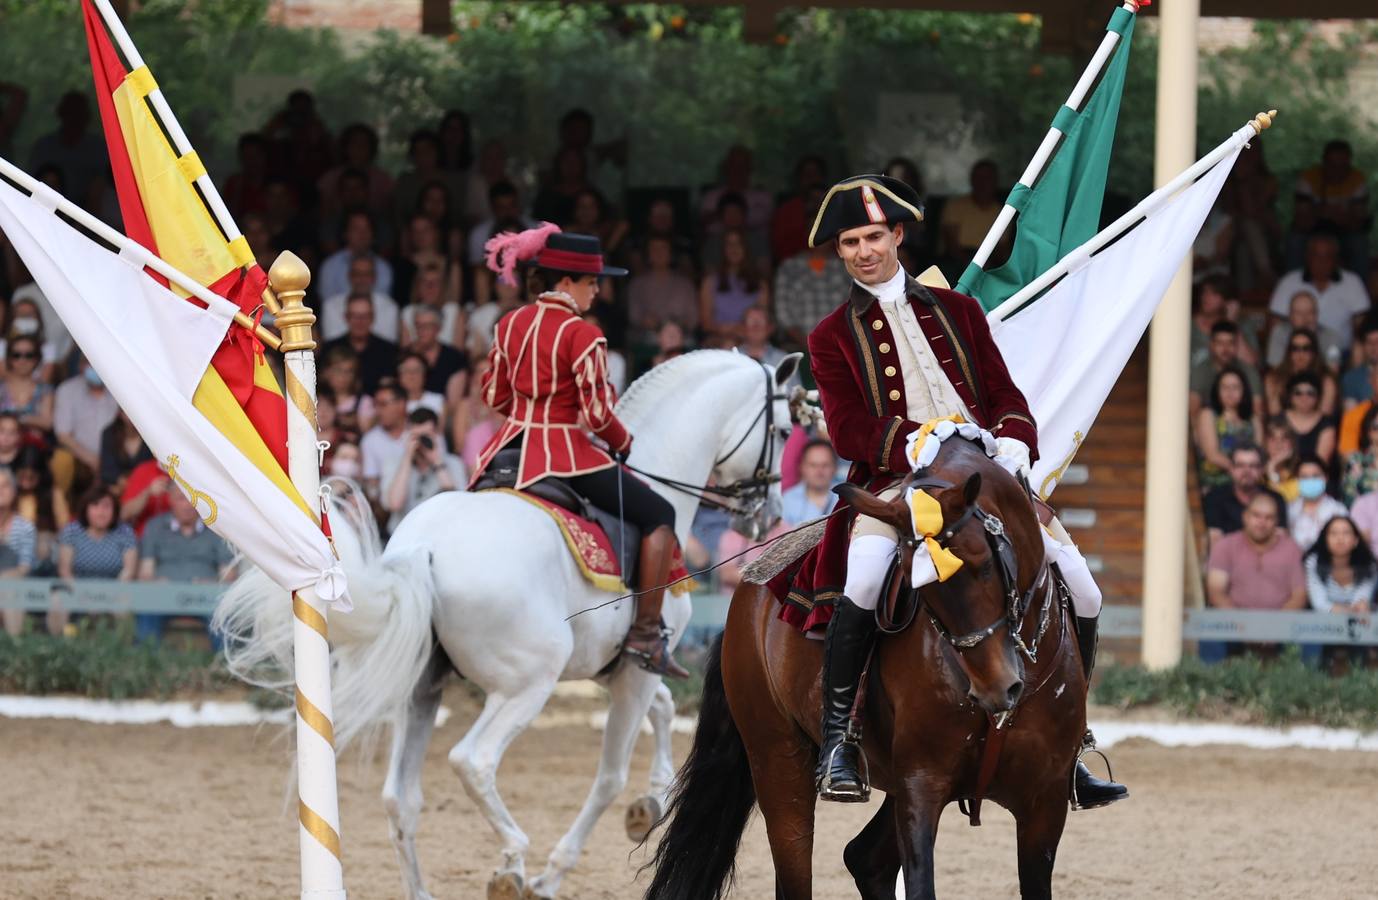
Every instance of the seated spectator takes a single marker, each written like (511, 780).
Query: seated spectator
(18, 539)
(26, 320)
(1257, 567)
(346, 462)
(412, 376)
(42, 504)
(1315, 430)
(728, 292)
(792, 219)
(591, 215)
(736, 551)
(505, 214)
(1302, 356)
(385, 442)
(435, 205)
(732, 216)
(97, 544)
(966, 220)
(473, 422)
(147, 495)
(1228, 421)
(659, 293)
(1333, 197)
(1208, 307)
(82, 407)
(1304, 316)
(423, 468)
(177, 546)
(483, 319)
(447, 368)
(358, 151)
(662, 223)
(808, 286)
(1280, 470)
(1341, 576)
(376, 356)
(422, 251)
(243, 190)
(1357, 384)
(1352, 422)
(490, 169)
(1307, 514)
(1361, 466)
(1340, 294)
(353, 408)
(358, 237)
(362, 281)
(429, 293)
(757, 331)
(121, 449)
(735, 177)
(812, 497)
(424, 150)
(1224, 354)
(327, 424)
(11, 440)
(568, 177)
(22, 392)
(669, 343)
(1223, 507)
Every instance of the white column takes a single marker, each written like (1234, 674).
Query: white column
(1165, 506)
(322, 872)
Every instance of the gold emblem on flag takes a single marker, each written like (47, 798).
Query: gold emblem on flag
(195, 496)
(1045, 490)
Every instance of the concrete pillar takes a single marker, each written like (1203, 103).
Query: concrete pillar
(1165, 507)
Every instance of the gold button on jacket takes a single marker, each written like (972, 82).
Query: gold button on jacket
(884, 348)
(878, 324)
(890, 371)
(894, 395)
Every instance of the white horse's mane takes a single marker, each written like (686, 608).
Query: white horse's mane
(698, 365)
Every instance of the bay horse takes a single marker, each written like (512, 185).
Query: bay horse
(934, 691)
(483, 584)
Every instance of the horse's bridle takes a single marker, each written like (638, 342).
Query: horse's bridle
(1016, 604)
(751, 492)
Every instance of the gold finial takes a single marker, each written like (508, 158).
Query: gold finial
(289, 277)
(1263, 120)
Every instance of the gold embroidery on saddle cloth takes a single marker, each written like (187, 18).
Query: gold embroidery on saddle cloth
(212, 511)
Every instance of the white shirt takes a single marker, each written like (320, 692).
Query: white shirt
(928, 392)
(1343, 299)
(334, 274)
(1306, 528)
(381, 451)
(385, 316)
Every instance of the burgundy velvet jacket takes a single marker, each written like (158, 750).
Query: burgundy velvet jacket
(860, 384)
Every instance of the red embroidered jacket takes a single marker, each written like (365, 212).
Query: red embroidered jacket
(548, 373)
(862, 390)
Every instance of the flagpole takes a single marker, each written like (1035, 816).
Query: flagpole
(1050, 140)
(183, 146)
(322, 869)
(1145, 207)
(131, 249)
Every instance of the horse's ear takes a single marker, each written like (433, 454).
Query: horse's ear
(868, 504)
(786, 369)
(972, 489)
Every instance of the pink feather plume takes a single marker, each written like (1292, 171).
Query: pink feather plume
(504, 251)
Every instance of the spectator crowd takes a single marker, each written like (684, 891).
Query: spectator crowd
(1284, 345)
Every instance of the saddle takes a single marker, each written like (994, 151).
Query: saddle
(625, 540)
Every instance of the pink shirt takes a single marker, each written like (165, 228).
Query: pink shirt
(1259, 580)
(1365, 515)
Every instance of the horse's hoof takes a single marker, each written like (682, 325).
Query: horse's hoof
(506, 886)
(642, 816)
(531, 893)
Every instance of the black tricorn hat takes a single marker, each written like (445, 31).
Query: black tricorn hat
(864, 200)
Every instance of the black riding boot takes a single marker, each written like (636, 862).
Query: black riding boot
(1091, 791)
(850, 634)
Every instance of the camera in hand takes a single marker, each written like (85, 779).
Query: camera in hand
(425, 442)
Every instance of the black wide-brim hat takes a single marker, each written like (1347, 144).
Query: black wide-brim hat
(574, 254)
(864, 200)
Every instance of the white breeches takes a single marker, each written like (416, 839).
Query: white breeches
(874, 544)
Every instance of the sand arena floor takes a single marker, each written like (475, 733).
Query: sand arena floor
(112, 811)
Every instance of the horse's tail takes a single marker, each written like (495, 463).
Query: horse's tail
(379, 651)
(709, 805)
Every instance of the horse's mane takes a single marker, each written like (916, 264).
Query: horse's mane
(698, 366)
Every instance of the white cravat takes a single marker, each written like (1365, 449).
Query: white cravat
(893, 289)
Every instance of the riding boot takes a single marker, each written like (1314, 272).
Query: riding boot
(851, 632)
(1091, 791)
(647, 639)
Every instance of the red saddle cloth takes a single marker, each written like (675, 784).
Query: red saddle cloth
(594, 553)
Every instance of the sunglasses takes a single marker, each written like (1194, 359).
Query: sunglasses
(21, 354)
(1304, 392)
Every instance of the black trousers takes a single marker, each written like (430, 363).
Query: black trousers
(641, 506)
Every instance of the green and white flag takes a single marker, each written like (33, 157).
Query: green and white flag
(1063, 209)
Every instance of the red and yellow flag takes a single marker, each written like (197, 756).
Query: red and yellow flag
(164, 212)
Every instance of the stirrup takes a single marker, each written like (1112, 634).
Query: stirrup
(646, 659)
(1088, 745)
(824, 786)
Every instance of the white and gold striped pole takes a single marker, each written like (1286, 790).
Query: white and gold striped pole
(322, 872)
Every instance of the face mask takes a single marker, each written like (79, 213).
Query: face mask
(93, 378)
(1311, 488)
(25, 325)
(345, 468)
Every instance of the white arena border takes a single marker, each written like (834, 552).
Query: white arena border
(211, 713)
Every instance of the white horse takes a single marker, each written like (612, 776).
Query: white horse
(484, 584)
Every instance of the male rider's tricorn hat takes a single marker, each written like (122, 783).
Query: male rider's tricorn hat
(864, 200)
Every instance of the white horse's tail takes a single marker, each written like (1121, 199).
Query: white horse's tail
(378, 652)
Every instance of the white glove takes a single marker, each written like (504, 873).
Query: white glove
(1013, 454)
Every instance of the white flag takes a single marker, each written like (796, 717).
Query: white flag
(152, 349)
(1067, 349)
